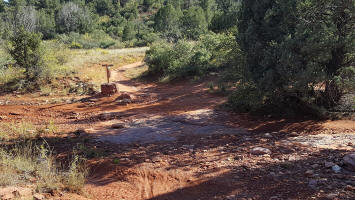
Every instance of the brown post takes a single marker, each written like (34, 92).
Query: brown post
(108, 73)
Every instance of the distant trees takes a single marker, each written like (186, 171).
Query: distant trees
(194, 22)
(167, 21)
(73, 18)
(26, 17)
(171, 19)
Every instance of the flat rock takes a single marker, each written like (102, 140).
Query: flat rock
(349, 161)
(260, 151)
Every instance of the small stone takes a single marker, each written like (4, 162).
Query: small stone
(25, 192)
(312, 183)
(293, 134)
(349, 161)
(294, 158)
(38, 197)
(315, 166)
(118, 126)
(156, 159)
(260, 151)
(94, 100)
(331, 196)
(309, 172)
(8, 192)
(268, 135)
(349, 188)
(80, 132)
(9, 196)
(336, 168)
(124, 96)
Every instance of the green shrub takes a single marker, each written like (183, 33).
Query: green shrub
(246, 98)
(75, 45)
(24, 48)
(96, 39)
(184, 58)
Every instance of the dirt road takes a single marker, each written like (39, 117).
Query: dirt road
(173, 141)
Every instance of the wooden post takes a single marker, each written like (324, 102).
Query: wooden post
(108, 73)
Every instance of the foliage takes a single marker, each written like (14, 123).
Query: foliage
(73, 18)
(184, 58)
(25, 161)
(194, 23)
(138, 23)
(167, 22)
(96, 39)
(292, 47)
(246, 98)
(24, 48)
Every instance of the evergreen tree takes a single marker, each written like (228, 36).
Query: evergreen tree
(167, 22)
(194, 23)
(209, 6)
(128, 32)
(25, 49)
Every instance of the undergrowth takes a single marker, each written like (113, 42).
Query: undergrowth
(30, 163)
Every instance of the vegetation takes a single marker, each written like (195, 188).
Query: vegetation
(24, 159)
(25, 162)
(293, 54)
(283, 57)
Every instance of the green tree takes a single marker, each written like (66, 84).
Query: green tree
(2, 6)
(46, 24)
(167, 22)
(194, 23)
(24, 47)
(209, 6)
(292, 47)
(128, 32)
(74, 18)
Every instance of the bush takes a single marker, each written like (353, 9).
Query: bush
(24, 48)
(96, 39)
(246, 98)
(184, 58)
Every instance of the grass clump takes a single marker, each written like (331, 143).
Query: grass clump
(29, 163)
(23, 131)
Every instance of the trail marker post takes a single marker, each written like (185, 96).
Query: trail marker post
(108, 89)
(108, 72)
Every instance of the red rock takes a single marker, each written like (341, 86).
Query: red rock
(108, 89)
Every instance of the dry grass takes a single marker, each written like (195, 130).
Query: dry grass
(87, 63)
(61, 63)
(24, 130)
(23, 163)
(136, 72)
